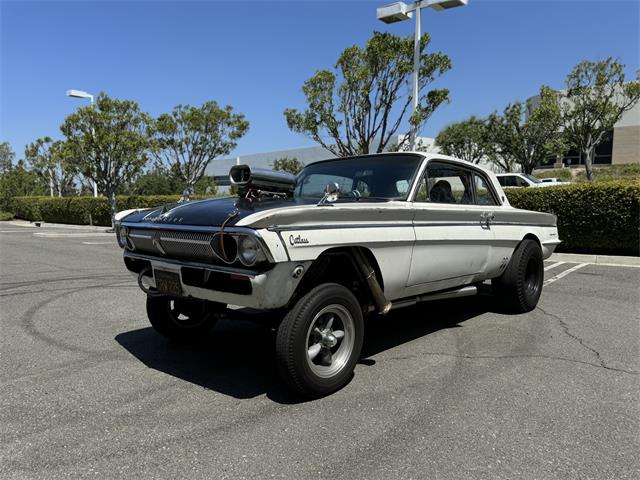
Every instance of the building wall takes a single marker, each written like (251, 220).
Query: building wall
(626, 145)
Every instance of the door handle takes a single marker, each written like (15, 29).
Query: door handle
(486, 218)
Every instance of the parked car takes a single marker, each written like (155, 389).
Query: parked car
(345, 239)
(553, 180)
(525, 180)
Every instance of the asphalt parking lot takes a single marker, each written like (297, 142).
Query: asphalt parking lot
(445, 390)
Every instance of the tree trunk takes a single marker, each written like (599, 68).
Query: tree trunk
(589, 154)
(111, 194)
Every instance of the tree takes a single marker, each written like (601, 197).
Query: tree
(360, 105)
(286, 164)
(108, 143)
(157, 181)
(47, 159)
(525, 132)
(188, 138)
(467, 140)
(6, 157)
(597, 96)
(18, 181)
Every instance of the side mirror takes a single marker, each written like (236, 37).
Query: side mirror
(331, 192)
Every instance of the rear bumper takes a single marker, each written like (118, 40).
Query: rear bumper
(262, 290)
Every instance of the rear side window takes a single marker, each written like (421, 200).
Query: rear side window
(484, 195)
(449, 183)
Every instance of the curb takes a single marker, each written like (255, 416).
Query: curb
(611, 260)
(27, 224)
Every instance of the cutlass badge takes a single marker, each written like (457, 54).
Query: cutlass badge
(297, 240)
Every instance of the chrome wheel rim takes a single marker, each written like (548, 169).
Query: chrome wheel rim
(330, 340)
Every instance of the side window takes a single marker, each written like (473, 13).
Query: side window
(521, 182)
(446, 184)
(483, 192)
(502, 181)
(510, 181)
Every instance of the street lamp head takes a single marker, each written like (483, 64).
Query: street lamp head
(78, 94)
(447, 4)
(396, 12)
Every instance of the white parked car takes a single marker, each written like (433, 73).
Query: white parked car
(553, 180)
(345, 239)
(525, 180)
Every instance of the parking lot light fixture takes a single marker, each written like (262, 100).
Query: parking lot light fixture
(400, 11)
(83, 94)
(80, 94)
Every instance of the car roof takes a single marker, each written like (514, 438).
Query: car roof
(424, 155)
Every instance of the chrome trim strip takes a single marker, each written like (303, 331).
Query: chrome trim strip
(282, 228)
(186, 263)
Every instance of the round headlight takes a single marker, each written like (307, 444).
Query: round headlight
(121, 236)
(249, 251)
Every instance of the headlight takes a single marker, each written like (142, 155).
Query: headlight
(121, 236)
(249, 251)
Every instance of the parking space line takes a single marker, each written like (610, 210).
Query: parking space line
(565, 273)
(98, 243)
(557, 264)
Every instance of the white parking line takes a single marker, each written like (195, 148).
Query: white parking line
(557, 264)
(98, 243)
(68, 235)
(565, 273)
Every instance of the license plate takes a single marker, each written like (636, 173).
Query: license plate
(168, 282)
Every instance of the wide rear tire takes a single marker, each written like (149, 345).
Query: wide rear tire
(319, 341)
(519, 288)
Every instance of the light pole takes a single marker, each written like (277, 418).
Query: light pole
(399, 11)
(82, 94)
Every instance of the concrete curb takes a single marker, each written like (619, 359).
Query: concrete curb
(27, 224)
(596, 259)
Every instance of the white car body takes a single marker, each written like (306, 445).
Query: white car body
(518, 180)
(416, 247)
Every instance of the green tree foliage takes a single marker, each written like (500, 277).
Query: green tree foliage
(157, 181)
(360, 104)
(468, 140)
(188, 138)
(47, 159)
(286, 164)
(6, 157)
(19, 181)
(525, 132)
(206, 185)
(108, 143)
(597, 96)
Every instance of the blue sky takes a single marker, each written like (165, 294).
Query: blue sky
(256, 55)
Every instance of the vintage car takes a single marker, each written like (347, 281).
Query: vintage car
(344, 239)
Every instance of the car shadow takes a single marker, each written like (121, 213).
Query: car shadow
(237, 358)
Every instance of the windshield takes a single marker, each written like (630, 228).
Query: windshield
(380, 177)
(532, 178)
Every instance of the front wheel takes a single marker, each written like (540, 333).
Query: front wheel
(181, 319)
(520, 286)
(319, 341)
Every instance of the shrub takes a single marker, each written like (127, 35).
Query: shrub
(4, 216)
(602, 217)
(611, 172)
(82, 210)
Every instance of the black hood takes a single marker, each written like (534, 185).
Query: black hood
(210, 212)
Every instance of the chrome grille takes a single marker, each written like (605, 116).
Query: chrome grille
(195, 246)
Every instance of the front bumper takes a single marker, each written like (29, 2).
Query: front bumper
(262, 290)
